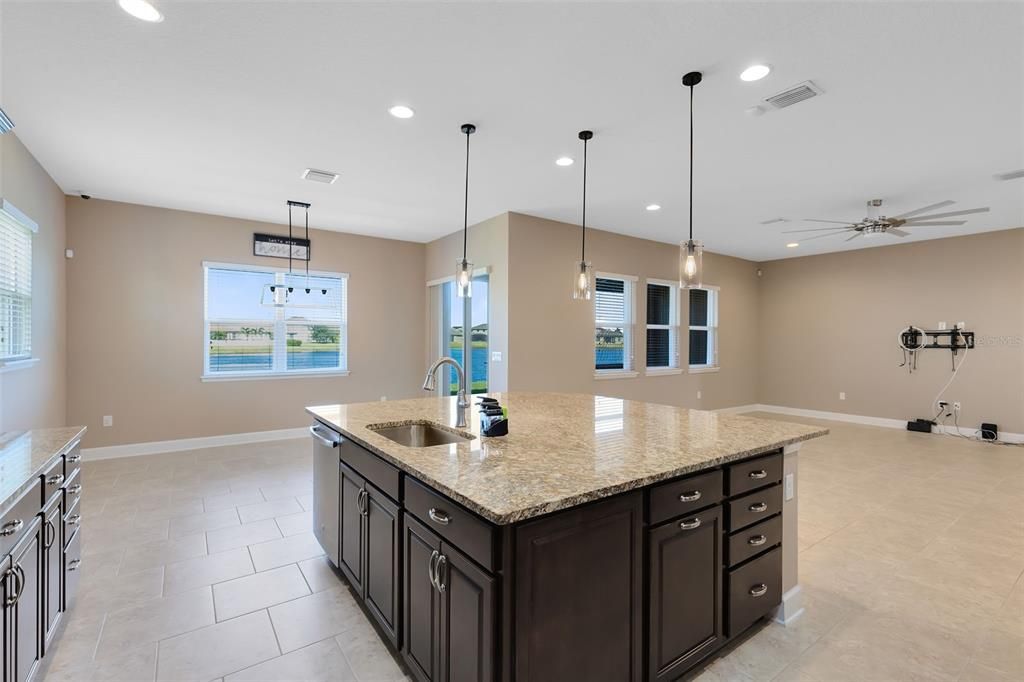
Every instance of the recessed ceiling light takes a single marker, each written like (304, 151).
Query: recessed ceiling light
(401, 111)
(755, 72)
(653, 207)
(564, 161)
(140, 9)
(792, 245)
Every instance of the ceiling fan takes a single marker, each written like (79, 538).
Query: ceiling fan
(874, 223)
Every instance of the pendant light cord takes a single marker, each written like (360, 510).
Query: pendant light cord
(307, 249)
(465, 208)
(691, 163)
(583, 248)
(289, 239)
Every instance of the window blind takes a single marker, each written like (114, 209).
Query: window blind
(662, 328)
(703, 327)
(612, 320)
(244, 335)
(15, 288)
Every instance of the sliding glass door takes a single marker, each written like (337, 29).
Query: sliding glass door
(463, 334)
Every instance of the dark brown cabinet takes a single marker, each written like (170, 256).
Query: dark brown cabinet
(350, 504)
(52, 566)
(22, 605)
(684, 592)
(449, 611)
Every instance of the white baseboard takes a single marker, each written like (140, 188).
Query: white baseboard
(884, 422)
(792, 606)
(159, 446)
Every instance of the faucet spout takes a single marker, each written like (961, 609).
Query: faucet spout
(430, 383)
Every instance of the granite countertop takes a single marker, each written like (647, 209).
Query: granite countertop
(24, 455)
(563, 449)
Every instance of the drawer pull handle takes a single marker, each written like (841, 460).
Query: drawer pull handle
(431, 568)
(12, 527)
(689, 525)
(439, 516)
(758, 507)
(441, 559)
(74, 564)
(361, 502)
(690, 497)
(76, 489)
(74, 459)
(75, 519)
(55, 479)
(757, 540)
(19, 582)
(759, 590)
(758, 474)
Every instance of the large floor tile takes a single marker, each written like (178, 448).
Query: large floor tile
(251, 593)
(367, 655)
(287, 550)
(304, 621)
(197, 523)
(240, 536)
(320, 662)
(293, 524)
(206, 570)
(268, 510)
(320, 574)
(155, 620)
(217, 650)
(161, 552)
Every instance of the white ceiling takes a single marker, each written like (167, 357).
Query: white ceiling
(219, 109)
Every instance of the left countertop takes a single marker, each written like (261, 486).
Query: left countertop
(24, 455)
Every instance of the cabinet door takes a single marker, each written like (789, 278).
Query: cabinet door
(383, 543)
(350, 559)
(421, 611)
(53, 546)
(467, 618)
(326, 478)
(23, 603)
(685, 586)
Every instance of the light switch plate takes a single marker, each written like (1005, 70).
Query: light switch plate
(942, 325)
(842, 395)
(495, 356)
(698, 395)
(790, 486)
(108, 420)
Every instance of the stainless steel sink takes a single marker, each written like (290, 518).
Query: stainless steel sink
(420, 434)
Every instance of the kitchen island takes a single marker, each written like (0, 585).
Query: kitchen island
(600, 539)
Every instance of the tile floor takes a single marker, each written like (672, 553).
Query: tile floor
(200, 566)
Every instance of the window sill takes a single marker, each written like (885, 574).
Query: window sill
(615, 374)
(14, 365)
(704, 369)
(259, 376)
(663, 371)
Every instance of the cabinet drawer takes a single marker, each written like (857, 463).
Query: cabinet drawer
(461, 527)
(754, 473)
(755, 507)
(72, 459)
(754, 590)
(72, 489)
(17, 520)
(72, 569)
(53, 479)
(754, 540)
(686, 495)
(371, 467)
(72, 521)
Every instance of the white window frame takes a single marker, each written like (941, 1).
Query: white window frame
(23, 360)
(714, 300)
(672, 327)
(467, 314)
(628, 370)
(280, 336)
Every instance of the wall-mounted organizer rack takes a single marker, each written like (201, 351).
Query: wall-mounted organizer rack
(914, 339)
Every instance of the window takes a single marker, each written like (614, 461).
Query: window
(662, 325)
(248, 335)
(15, 284)
(704, 328)
(613, 317)
(452, 312)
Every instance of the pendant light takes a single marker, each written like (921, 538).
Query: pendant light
(583, 272)
(463, 268)
(279, 295)
(691, 252)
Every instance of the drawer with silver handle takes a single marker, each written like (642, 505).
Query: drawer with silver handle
(754, 507)
(685, 495)
(754, 540)
(456, 524)
(754, 473)
(15, 522)
(754, 590)
(53, 479)
(72, 459)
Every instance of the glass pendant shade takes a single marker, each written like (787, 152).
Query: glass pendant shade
(691, 266)
(464, 278)
(583, 281)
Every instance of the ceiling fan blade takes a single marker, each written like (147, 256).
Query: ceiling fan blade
(937, 223)
(926, 208)
(815, 229)
(898, 233)
(950, 214)
(819, 236)
(854, 236)
(818, 220)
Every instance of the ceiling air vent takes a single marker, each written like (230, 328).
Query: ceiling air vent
(325, 177)
(797, 93)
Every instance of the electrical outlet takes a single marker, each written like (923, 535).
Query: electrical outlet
(698, 395)
(961, 325)
(790, 486)
(842, 395)
(956, 407)
(495, 356)
(383, 398)
(108, 420)
(942, 404)
(942, 325)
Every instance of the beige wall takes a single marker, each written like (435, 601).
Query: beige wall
(135, 324)
(487, 247)
(551, 337)
(35, 396)
(829, 324)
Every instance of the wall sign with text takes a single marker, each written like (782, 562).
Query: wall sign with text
(276, 246)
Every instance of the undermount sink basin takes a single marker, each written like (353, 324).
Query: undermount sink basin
(420, 434)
